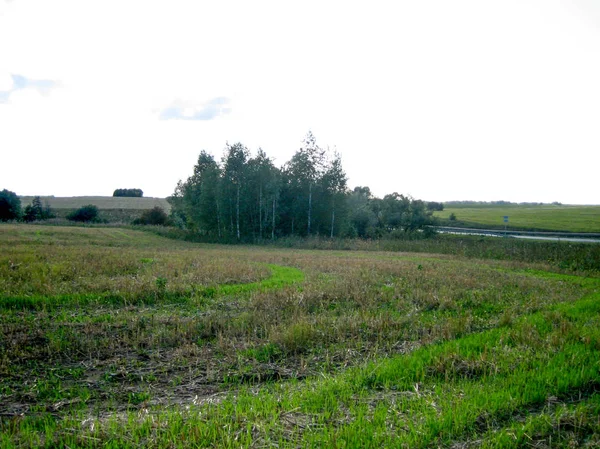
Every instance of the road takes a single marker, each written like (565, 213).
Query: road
(552, 236)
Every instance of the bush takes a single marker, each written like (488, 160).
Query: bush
(10, 206)
(154, 216)
(134, 193)
(84, 214)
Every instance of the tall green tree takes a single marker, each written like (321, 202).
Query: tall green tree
(234, 178)
(363, 213)
(395, 210)
(202, 194)
(334, 185)
(195, 201)
(177, 202)
(10, 206)
(404, 213)
(303, 173)
(263, 189)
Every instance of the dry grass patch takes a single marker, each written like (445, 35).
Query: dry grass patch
(82, 358)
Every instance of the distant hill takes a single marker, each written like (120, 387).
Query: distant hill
(101, 202)
(112, 209)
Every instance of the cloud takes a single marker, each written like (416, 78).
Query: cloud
(42, 86)
(20, 82)
(210, 110)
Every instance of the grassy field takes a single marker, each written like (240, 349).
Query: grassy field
(120, 338)
(546, 217)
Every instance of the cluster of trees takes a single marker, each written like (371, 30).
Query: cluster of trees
(10, 208)
(394, 214)
(133, 193)
(35, 211)
(432, 205)
(247, 197)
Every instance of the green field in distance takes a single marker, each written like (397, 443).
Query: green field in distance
(544, 217)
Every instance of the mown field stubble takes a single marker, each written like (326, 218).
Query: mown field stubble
(120, 338)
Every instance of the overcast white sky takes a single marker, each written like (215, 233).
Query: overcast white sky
(442, 100)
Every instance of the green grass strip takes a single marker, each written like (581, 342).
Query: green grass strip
(459, 390)
(280, 277)
(561, 425)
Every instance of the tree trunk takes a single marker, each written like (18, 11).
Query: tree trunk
(309, 204)
(231, 215)
(237, 212)
(273, 224)
(218, 219)
(332, 221)
(260, 223)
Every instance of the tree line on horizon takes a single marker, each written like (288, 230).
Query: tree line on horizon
(244, 197)
(128, 193)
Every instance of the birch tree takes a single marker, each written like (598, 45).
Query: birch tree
(303, 172)
(234, 177)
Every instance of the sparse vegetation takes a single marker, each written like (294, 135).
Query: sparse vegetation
(119, 338)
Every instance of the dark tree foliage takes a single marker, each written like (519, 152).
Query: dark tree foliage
(247, 198)
(363, 216)
(178, 205)
(262, 194)
(10, 206)
(433, 206)
(302, 177)
(234, 187)
(333, 196)
(35, 211)
(84, 214)
(133, 193)
(155, 216)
